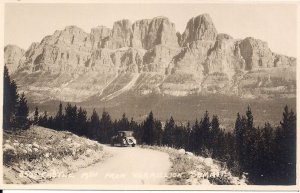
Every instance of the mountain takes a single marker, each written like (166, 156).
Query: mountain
(149, 57)
(13, 56)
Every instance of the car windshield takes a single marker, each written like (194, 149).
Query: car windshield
(125, 133)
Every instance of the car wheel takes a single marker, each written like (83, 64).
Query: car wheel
(133, 145)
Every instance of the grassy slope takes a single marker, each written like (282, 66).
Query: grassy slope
(40, 154)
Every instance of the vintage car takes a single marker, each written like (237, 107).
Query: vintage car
(123, 138)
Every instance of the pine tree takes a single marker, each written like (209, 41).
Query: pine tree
(250, 145)
(105, 130)
(94, 125)
(285, 120)
(71, 118)
(158, 132)
(286, 148)
(203, 134)
(123, 124)
(36, 116)
(229, 154)
(194, 144)
(22, 112)
(238, 127)
(148, 128)
(188, 136)
(59, 118)
(81, 122)
(10, 100)
(264, 163)
(215, 125)
(219, 149)
(214, 140)
(180, 136)
(168, 134)
(243, 148)
(239, 138)
(43, 120)
(137, 131)
(249, 118)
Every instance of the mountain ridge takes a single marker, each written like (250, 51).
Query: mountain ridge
(73, 65)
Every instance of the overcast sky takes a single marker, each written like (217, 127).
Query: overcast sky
(275, 24)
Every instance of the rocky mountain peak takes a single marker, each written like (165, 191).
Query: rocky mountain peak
(199, 28)
(222, 36)
(73, 29)
(149, 56)
(161, 31)
(101, 31)
(11, 47)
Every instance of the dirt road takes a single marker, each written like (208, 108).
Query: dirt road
(127, 166)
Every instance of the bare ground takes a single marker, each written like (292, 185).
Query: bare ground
(127, 166)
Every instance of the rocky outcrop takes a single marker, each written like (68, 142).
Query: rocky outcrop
(161, 32)
(130, 60)
(256, 54)
(281, 60)
(62, 52)
(158, 31)
(12, 57)
(120, 35)
(199, 28)
(158, 59)
(224, 57)
(140, 34)
(98, 36)
(149, 56)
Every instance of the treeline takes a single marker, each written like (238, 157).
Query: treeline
(265, 155)
(75, 119)
(15, 109)
(100, 127)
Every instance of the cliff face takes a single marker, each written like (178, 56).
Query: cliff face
(149, 56)
(12, 57)
(199, 28)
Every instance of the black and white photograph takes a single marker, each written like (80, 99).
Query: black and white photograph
(149, 95)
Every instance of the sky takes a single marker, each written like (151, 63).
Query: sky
(273, 23)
